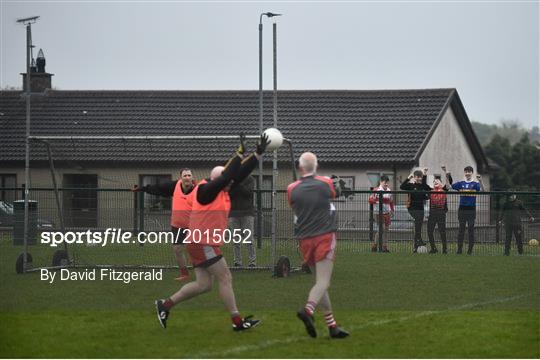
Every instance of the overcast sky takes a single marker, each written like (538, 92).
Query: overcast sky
(489, 51)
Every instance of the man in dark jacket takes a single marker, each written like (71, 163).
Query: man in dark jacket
(241, 220)
(416, 182)
(511, 213)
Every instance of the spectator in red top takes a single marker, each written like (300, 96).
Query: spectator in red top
(387, 212)
(438, 208)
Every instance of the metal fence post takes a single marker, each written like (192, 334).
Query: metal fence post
(259, 218)
(371, 223)
(135, 210)
(380, 218)
(497, 226)
(141, 211)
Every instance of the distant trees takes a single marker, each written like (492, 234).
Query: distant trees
(512, 130)
(515, 151)
(518, 163)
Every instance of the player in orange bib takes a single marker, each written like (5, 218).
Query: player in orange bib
(207, 228)
(180, 191)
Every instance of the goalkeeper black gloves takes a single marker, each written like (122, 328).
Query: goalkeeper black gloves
(262, 144)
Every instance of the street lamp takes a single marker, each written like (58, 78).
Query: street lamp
(267, 14)
(261, 125)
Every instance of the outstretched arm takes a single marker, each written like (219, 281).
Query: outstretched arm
(165, 189)
(209, 191)
(249, 163)
(235, 171)
(246, 167)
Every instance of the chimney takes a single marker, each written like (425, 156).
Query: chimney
(40, 80)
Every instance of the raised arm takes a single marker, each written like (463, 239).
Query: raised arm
(249, 163)
(406, 185)
(479, 178)
(235, 171)
(447, 179)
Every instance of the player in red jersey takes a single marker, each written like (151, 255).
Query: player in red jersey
(315, 228)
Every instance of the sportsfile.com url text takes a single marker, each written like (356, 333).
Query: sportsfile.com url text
(117, 236)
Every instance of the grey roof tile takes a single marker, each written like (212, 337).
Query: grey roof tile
(341, 126)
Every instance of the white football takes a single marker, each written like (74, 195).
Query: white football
(422, 250)
(275, 138)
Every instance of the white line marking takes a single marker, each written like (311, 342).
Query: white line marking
(269, 343)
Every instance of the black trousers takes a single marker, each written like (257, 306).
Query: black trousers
(466, 218)
(517, 230)
(418, 216)
(437, 218)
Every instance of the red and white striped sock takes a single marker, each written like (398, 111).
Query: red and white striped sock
(330, 322)
(236, 318)
(310, 307)
(168, 304)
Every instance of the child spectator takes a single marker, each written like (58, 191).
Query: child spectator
(383, 218)
(438, 207)
(467, 206)
(416, 182)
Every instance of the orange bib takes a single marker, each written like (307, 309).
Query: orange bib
(208, 223)
(181, 207)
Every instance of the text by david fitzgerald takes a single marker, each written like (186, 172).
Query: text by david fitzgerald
(101, 275)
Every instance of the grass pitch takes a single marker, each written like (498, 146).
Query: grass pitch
(394, 305)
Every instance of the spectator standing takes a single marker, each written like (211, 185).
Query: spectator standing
(416, 182)
(241, 219)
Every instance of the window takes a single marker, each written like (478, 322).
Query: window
(155, 202)
(8, 181)
(346, 183)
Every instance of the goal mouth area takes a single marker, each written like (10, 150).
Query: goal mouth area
(115, 178)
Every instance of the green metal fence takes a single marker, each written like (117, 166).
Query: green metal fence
(119, 210)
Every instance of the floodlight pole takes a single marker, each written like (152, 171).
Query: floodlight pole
(261, 124)
(274, 159)
(28, 22)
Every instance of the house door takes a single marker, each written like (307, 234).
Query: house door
(80, 203)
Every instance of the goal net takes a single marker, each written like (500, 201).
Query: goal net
(89, 216)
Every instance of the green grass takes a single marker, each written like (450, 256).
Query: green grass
(395, 306)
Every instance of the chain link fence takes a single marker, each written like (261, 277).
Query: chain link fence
(116, 212)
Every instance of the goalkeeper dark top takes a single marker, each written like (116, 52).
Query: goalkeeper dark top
(310, 198)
